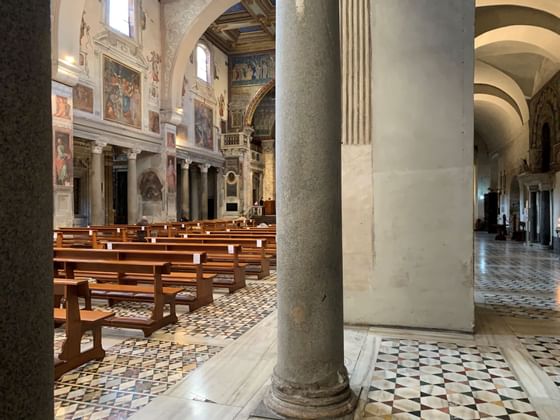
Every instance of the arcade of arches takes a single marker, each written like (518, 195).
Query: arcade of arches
(350, 209)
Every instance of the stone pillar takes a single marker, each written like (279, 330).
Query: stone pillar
(97, 176)
(132, 186)
(195, 194)
(26, 218)
(220, 192)
(310, 380)
(204, 191)
(185, 192)
(269, 179)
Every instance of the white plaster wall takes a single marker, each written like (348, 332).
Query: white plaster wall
(422, 241)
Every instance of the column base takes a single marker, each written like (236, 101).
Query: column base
(289, 400)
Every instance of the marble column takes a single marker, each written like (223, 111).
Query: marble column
(269, 180)
(185, 189)
(310, 380)
(204, 191)
(97, 176)
(220, 186)
(132, 186)
(26, 186)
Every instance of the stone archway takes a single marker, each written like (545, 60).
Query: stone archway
(256, 100)
(184, 23)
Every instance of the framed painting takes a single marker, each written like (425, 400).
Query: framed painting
(204, 125)
(62, 157)
(83, 98)
(122, 93)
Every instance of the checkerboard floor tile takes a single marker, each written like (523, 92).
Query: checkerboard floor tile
(433, 380)
(546, 351)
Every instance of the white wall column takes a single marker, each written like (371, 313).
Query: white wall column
(204, 191)
(132, 186)
(97, 177)
(185, 199)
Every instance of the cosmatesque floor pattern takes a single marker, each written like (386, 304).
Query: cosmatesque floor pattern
(137, 370)
(508, 369)
(432, 380)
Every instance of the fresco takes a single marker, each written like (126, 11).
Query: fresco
(122, 98)
(171, 174)
(254, 69)
(62, 157)
(170, 140)
(154, 121)
(83, 98)
(150, 186)
(62, 107)
(204, 127)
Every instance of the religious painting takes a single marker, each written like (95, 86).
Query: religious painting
(204, 125)
(62, 107)
(254, 69)
(154, 121)
(83, 98)
(150, 186)
(122, 97)
(171, 174)
(170, 139)
(62, 157)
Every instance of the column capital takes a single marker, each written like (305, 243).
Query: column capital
(97, 147)
(186, 163)
(131, 154)
(204, 168)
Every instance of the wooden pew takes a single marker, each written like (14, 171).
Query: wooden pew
(157, 292)
(259, 259)
(76, 323)
(196, 277)
(230, 267)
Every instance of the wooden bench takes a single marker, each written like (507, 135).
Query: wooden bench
(254, 250)
(76, 323)
(157, 293)
(232, 266)
(195, 277)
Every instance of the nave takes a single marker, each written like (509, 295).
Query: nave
(215, 363)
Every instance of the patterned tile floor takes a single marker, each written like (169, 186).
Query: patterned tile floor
(517, 280)
(431, 380)
(546, 351)
(137, 370)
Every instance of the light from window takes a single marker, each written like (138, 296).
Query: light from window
(202, 63)
(120, 13)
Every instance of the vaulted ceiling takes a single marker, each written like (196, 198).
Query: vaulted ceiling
(248, 26)
(517, 51)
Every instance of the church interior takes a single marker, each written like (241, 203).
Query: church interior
(292, 209)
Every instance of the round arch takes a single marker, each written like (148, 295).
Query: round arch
(495, 120)
(523, 39)
(195, 17)
(256, 100)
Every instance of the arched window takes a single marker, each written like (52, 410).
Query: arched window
(203, 63)
(121, 16)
